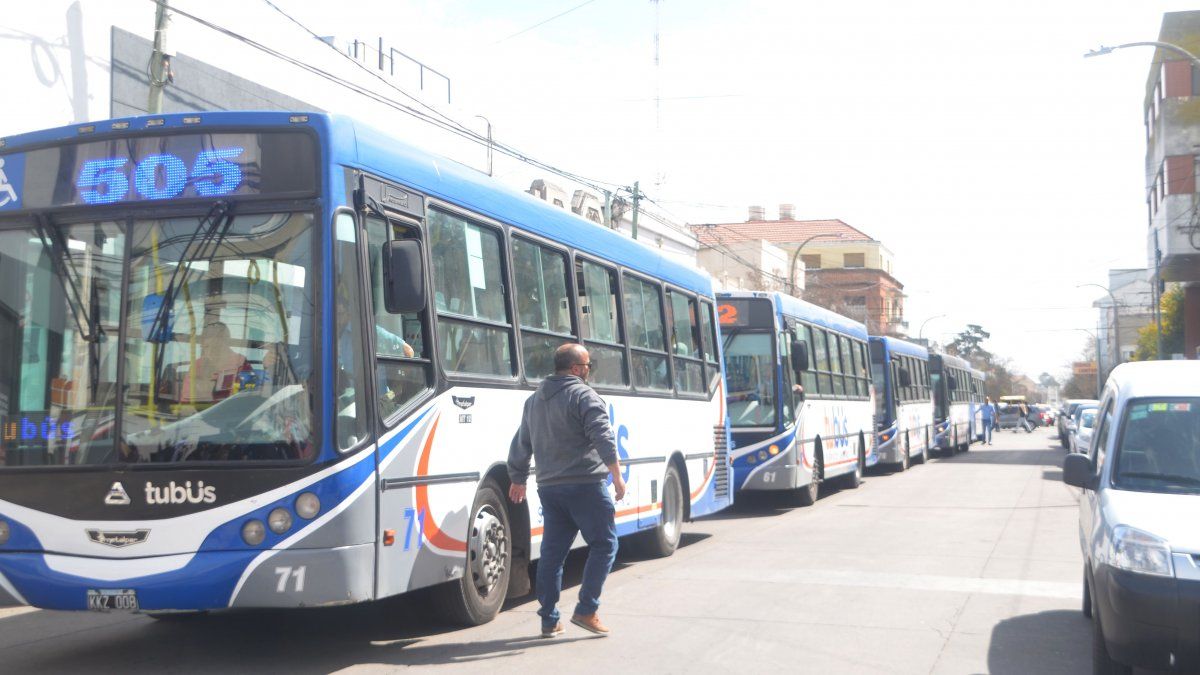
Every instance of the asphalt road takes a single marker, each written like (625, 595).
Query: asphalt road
(968, 564)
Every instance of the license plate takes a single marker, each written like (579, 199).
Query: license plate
(107, 600)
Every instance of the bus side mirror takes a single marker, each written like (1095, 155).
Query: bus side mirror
(403, 276)
(799, 356)
(905, 378)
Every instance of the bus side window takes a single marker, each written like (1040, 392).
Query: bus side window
(689, 369)
(643, 307)
(835, 365)
(599, 323)
(810, 381)
(474, 331)
(543, 305)
(708, 339)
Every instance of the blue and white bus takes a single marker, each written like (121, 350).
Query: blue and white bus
(956, 394)
(903, 402)
(276, 360)
(800, 395)
(977, 395)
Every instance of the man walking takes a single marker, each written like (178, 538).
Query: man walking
(565, 428)
(989, 419)
(1025, 417)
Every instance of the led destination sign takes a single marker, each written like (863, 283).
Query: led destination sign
(159, 169)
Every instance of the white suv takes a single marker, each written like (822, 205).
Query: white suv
(1139, 519)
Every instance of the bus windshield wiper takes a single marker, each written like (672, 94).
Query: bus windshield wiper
(1166, 477)
(209, 233)
(69, 277)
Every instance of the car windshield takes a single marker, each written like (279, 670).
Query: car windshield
(213, 361)
(1088, 419)
(1159, 447)
(750, 374)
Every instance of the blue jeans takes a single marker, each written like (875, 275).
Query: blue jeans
(584, 508)
(987, 431)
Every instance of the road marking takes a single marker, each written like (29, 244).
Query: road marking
(14, 611)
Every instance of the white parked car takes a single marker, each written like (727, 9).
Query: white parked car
(1138, 519)
(1081, 437)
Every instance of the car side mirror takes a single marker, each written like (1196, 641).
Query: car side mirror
(403, 276)
(1079, 472)
(799, 356)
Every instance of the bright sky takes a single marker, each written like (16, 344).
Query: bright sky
(1000, 166)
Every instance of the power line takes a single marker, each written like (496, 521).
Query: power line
(435, 118)
(542, 23)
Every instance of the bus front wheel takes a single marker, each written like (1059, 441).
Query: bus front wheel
(854, 478)
(808, 494)
(477, 596)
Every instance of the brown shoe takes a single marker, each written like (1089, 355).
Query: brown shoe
(553, 631)
(590, 623)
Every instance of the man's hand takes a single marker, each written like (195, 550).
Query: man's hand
(619, 486)
(516, 492)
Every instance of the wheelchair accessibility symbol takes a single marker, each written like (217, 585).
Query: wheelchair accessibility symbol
(8, 193)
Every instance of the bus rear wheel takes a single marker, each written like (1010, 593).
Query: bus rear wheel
(477, 596)
(662, 541)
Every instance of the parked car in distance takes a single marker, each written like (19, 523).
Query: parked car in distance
(1137, 519)
(1008, 416)
(1044, 415)
(1064, 418)
(1082, 437)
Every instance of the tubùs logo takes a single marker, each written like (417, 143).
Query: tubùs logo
(175, 493)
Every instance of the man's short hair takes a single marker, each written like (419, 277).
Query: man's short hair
(566, 356)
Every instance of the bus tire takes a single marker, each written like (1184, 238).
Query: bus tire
(807, 495)
(662, 540)
(476, 597)
(854, 478)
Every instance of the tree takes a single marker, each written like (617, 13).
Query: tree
(1082, 386)
(1047, 380)
(1171, 306)
(968, 344)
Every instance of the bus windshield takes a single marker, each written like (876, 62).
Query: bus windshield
(750, 374)
(146, 341)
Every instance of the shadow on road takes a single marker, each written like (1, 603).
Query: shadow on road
(760, 504)
(1045, 456)
(393, 632)
(1050, 643)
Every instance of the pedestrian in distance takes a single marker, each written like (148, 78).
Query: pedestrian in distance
(989, 419)
(566, 430)
(1025, 418)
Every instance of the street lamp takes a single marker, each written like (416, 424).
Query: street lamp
(921, 332)
(1116, 326)
(796, 256)
(1164, 45)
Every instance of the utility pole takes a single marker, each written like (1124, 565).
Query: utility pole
(637, 198)
(608, 211)
(158, 59)
(1158, 298)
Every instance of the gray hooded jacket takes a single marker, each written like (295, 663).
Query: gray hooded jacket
(565, 429)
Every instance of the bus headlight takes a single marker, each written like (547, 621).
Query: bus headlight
(308, 506)
(5, 532)
(253, 532)
(280, 520)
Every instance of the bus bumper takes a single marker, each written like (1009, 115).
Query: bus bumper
(887, 451)
(763, 471)
(201, 581)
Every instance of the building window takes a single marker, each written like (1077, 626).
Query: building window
(856, 301)
(812, 262)
(858, 260)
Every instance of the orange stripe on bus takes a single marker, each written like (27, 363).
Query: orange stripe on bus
(430, 528)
